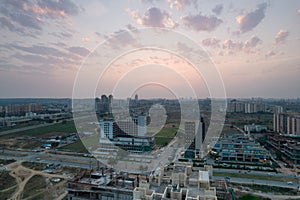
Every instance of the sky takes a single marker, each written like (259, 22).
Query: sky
(251, 46)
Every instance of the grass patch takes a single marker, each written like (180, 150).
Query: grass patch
(75, 147)
(6, 181)
(68, 127)
(162, 141)
(163, 137)
(167, 132)
(240, 119)
(7, 193)
(251, 176)
(268, 189)
(34, 165)
(71, 170)
(35, 185)
(251, 197)
(6, 162)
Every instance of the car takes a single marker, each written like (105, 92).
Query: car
(290, 183)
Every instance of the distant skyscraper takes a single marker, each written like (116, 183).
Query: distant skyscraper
(103, 105)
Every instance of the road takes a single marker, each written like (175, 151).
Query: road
(85, 162)
(259, 182)
(44, 157)
(252, 172)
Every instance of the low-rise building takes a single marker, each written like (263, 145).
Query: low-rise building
(253, 128)
(237, 147)
(174, 182)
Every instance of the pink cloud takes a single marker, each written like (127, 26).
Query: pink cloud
(201, 22)
(180, 4)
(155, 17)
(213, 42)
(281, 36)
(250, 20)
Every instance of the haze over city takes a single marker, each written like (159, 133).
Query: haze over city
(254, 44)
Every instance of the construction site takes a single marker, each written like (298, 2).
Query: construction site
(178, 182)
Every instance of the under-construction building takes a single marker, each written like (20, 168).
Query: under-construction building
(177, 182)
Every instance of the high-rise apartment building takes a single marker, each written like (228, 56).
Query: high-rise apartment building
(22, 109)
(287, 123)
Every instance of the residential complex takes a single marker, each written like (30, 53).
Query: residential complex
(237, 147)
(246, 107)
(20, 109)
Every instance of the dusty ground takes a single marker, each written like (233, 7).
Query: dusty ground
(23, 176)
(18, 143)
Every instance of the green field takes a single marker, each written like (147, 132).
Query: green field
(167, 132)
(162, 141)
(241, 119)
(35, 185)
(75, 147)
(163, 137)
(7, 185)
(79, 146)
(68, 127)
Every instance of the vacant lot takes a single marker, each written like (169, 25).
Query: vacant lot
(241, 119)
(34, 165)
(23, 140)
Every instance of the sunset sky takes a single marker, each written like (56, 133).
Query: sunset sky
(254, 44)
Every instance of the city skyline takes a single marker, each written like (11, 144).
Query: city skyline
(43, 44)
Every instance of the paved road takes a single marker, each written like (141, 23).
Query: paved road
(44, 157)
(252, 172)
(259, 182)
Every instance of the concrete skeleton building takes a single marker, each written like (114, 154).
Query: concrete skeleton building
(177, 182)
(288, 146)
